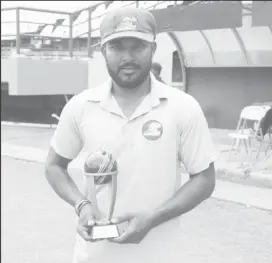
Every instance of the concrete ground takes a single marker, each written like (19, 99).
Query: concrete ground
(31, 143)
(38, 227)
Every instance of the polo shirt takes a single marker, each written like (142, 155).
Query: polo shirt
(167, 130)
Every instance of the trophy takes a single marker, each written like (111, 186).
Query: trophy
(100, 168)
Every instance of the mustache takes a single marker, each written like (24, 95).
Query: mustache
(129, 64)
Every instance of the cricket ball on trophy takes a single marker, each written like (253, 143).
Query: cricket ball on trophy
(100, 162)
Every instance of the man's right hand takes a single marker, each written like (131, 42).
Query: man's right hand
(85, 222)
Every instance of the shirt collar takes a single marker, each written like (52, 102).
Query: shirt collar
(102, 93)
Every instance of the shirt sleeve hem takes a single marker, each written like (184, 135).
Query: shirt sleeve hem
(62, 154)
(203, 166)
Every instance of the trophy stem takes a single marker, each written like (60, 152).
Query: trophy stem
(112, 197)
(90, 194)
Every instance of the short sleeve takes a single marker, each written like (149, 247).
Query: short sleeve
(67, 141)
(196, 149)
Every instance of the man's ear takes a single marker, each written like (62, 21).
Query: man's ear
(154, 48)
(103, 50)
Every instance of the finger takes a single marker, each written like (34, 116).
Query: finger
(123, 238)
(84, 232)
(90, 223)
(86, 221)
(121, 219)
(102, 222)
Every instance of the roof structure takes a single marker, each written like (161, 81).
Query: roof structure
(246, 45)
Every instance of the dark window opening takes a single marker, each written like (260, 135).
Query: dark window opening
(176, 68)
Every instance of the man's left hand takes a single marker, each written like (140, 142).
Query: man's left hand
(138, 227)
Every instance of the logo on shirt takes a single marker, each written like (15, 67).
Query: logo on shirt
(126, 24)
(152, 130)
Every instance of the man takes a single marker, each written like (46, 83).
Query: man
(266, 122)
(150, 128)
(265, 125)
(156, 70)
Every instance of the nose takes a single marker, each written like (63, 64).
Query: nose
(127, 55)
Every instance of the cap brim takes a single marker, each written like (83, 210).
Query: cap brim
(143, 36)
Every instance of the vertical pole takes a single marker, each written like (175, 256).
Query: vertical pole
(71, 35)
(175, 2)
(90, 33)
(66, 98)
(18, 39)
(137, 4)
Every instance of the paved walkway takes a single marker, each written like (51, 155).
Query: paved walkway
(31, 144)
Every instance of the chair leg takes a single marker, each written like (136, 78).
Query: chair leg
(249, 142)
(267, 156)
(259, 151)
(269, 142)
(247, 149)
(232, 148)
(268, 148)
(237, 145)
(242, 158)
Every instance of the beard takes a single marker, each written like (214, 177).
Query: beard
(129, 82)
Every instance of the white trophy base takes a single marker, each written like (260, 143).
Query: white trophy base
(105, 231)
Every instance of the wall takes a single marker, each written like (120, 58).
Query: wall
(44, 77)
(223, 92)
(33, 109)
(9, 72)
(97, 70)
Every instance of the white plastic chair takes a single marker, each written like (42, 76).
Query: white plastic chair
(244, 134)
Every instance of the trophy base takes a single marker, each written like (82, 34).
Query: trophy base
(105, 231)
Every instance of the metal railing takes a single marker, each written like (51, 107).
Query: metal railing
(74, 48)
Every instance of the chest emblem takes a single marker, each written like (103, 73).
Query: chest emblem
(152, 130)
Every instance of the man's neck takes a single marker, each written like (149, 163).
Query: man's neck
(134, 93)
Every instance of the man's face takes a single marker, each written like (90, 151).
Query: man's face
(129, 61)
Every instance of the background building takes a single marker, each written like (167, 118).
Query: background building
(220, 52)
